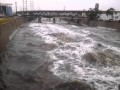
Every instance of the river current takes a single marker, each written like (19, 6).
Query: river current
(39, 52)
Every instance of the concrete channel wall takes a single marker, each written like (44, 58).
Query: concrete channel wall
(6, 29)
(107, 24)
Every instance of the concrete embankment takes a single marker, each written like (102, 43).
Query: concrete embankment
(96, 23)
(7, 28)
(107, 24)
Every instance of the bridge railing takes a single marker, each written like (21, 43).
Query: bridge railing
(52, 13)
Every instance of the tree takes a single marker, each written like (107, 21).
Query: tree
(93, 14)
(110, 12)
(112, 9)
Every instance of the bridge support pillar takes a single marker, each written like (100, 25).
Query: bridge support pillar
(49, 19)
(60, 19)
(39, 20)
(69, 20)
(78, 21)
(54, 20)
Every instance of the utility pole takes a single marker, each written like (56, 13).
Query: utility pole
(16, 7)
(64, 8)
(26, 5)
(23, 5)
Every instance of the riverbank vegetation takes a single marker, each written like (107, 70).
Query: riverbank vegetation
(3, 20)
(111, 14)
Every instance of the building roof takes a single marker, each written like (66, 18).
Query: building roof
(5, 4)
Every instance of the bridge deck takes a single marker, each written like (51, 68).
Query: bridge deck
(56, 13)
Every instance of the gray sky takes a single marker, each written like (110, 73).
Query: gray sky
(68, 4)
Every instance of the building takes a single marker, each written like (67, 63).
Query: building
(97, 6)
(5, 9)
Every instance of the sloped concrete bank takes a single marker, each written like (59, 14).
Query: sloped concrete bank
(6, 30)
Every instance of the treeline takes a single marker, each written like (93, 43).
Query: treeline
(94, 14)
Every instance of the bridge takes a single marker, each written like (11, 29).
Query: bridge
(57, 13)
(70, 15)
(54, 13)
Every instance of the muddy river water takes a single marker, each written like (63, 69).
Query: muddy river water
(43, 55)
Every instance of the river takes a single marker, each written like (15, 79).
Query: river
(43, 55)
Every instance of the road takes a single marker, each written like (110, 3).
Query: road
(43, 55)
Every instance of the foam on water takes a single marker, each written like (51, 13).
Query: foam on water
(67, 63)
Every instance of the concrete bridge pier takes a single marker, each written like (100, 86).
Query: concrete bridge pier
(39, 20)
(78, 21)
(49, 19)
(60, 19)
(69, 20)
(54, 20)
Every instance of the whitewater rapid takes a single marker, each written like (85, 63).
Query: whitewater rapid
(77, 53)
(72, 43)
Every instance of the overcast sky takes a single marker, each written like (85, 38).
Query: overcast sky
(67, 4)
